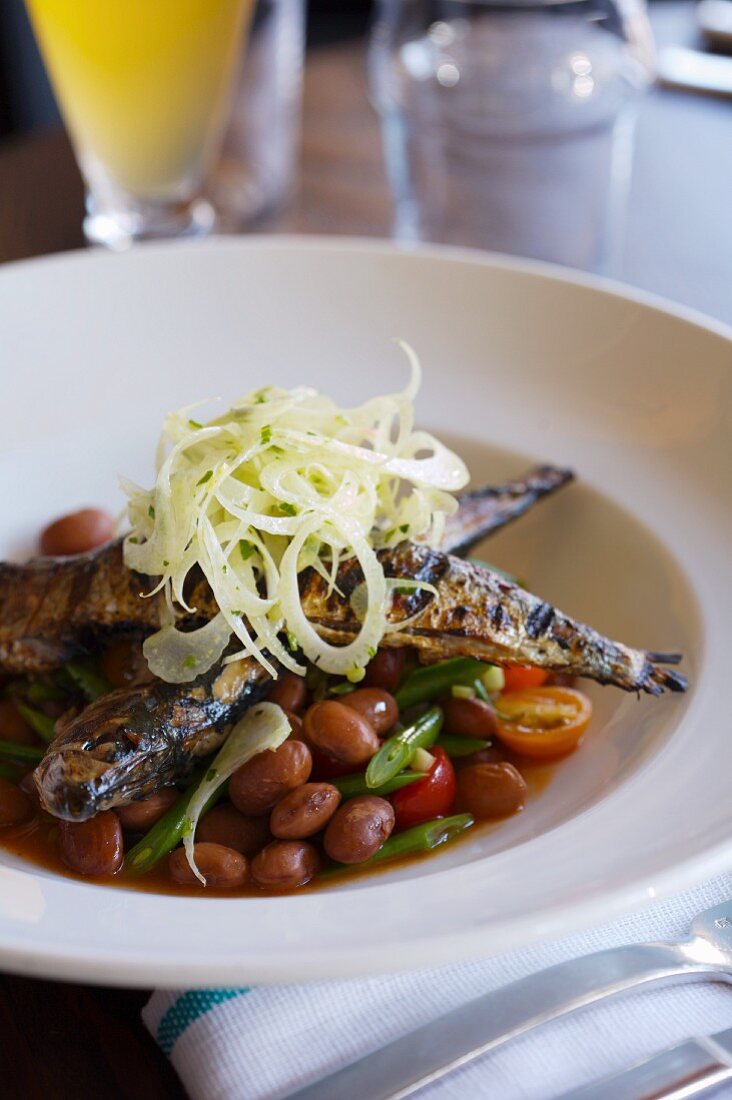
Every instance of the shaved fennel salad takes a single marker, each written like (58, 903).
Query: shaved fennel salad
(282, 481)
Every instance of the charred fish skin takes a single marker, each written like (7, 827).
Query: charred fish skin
(477, 613)
(481, 512)
(133, 741)
(53, 609)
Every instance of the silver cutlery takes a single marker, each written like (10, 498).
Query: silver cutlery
(409, 1064)
(697, 1067)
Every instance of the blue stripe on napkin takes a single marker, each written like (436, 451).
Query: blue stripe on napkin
(187, 1009)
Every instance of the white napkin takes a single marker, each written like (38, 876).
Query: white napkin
(264, 1043)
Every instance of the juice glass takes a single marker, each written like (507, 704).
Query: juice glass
(144, 86)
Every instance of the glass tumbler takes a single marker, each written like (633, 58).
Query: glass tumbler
(145, 88)
(255, 173)
(509, 125)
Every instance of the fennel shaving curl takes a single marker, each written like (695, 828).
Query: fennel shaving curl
(282, 481)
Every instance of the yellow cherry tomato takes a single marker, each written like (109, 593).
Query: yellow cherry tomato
(542, 722)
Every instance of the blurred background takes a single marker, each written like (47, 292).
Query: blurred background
(534, 129)
(26, 100)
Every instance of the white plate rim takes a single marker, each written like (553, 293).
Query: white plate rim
(144, 970)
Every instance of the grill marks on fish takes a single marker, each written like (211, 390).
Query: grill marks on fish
(477, 613)
(53, 609)
(133, 741)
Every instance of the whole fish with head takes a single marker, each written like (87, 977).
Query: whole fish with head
(461, 610)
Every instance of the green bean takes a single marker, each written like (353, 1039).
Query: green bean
(39, 722)
(352, 785)
(426, 684)
(398, 751)
(23, 755)
(167, 833)
(422, 838)
(90, 683)
(460, 746)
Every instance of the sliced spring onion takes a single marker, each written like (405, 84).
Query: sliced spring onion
(398, 751)
(493, 679)
(281, 481)
(422, 761)
(263, 727)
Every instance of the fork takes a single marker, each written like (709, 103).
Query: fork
(423, 1056)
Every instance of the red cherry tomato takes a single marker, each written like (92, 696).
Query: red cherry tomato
(519, 677)
(325, 767)
(428, 798)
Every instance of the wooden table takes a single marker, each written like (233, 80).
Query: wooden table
(61, 1041)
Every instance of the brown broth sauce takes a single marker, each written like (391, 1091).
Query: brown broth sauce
(38, 843)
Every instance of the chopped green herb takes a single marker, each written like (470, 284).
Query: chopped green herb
(265, 435)
(406, 590)
(210, 774)
(166, 563)
(194, 424)
(404, 528)
(133, 540)
(288, 509)
(151, 512)
(246, 549)
(206, 477)
(292, 642)
(191, 661)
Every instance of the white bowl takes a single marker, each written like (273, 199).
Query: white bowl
(522, 364)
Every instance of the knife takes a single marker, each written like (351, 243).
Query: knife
(694, 1068)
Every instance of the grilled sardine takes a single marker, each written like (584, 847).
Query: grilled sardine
(482, 511)
(132, 741)
(52, 609)
(127, 743)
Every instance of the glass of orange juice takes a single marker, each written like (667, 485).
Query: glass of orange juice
(145, 87)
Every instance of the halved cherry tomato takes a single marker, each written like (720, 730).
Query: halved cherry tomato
(542, 722)
(519, 677)
(430, 797)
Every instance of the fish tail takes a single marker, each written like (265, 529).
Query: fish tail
(656, 679)
(665, 658)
